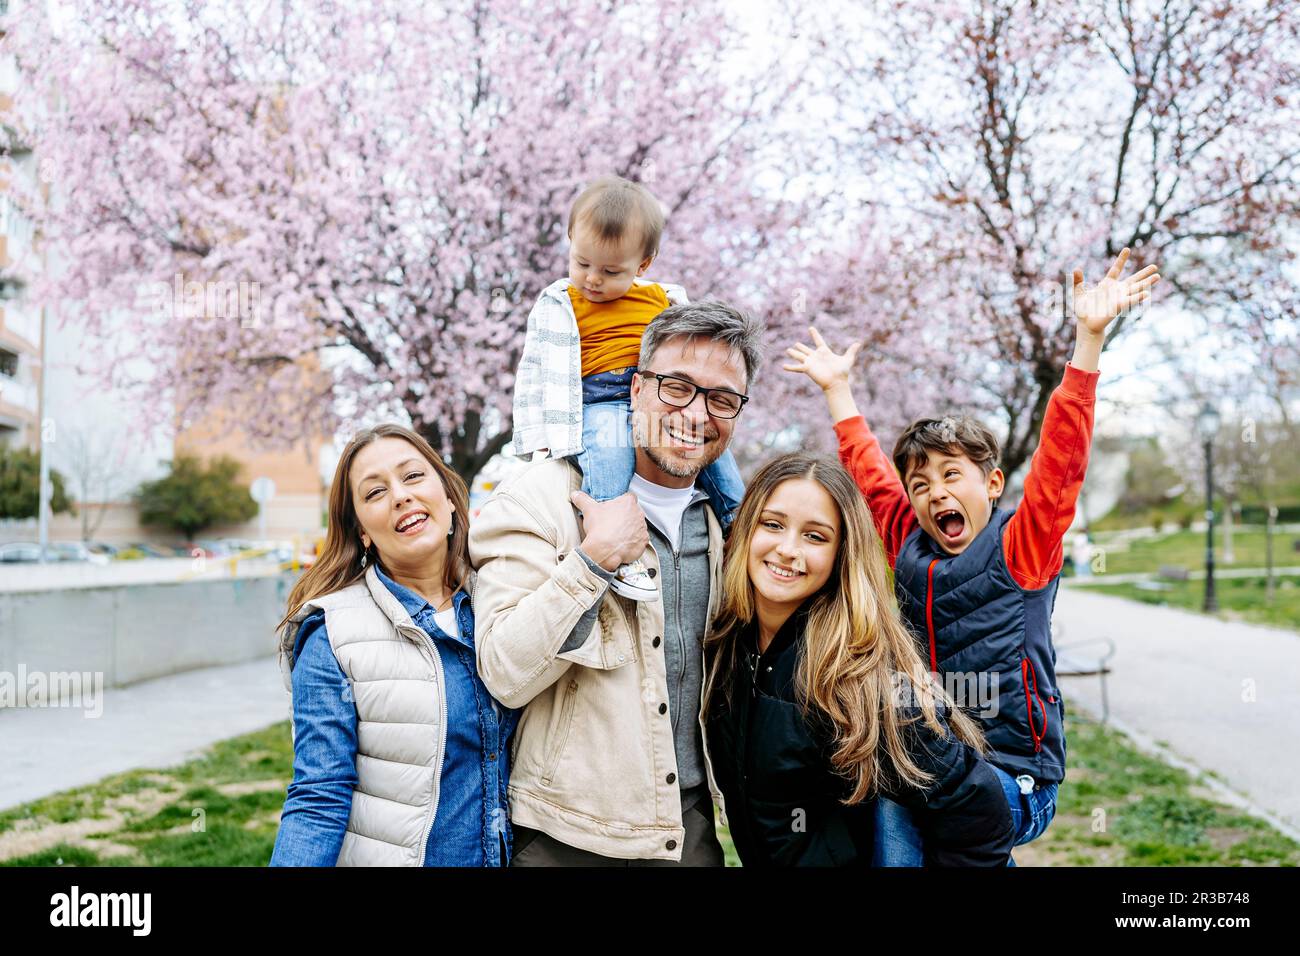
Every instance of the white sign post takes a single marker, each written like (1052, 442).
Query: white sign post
(261, 490)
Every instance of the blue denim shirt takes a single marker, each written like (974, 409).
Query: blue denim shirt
(471, 826)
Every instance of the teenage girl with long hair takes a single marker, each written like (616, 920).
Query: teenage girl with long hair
(817, 701)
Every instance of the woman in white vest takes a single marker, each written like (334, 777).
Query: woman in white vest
(400, 753)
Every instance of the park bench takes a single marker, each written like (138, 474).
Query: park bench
(1172, 572)
(1085, 658)
(1153, 586)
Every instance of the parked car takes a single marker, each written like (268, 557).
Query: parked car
(100, 547)
(202, 549)
(212, 548)
(239, 545)
(141, 549)
(20, 552)
(76, 551)
(303, 560)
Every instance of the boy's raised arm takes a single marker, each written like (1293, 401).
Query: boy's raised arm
(1035, 534)
(860, 452)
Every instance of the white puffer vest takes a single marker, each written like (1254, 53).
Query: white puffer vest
(396, 681)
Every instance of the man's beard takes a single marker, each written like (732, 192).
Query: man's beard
(678, 469)
(665, 462)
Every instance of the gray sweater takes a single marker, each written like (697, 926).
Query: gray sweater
(684, 587)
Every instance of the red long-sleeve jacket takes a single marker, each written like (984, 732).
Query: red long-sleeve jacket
(1033, 537)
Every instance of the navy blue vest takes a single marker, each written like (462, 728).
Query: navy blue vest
(990, 639)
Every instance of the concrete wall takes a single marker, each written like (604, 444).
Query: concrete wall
(137, 632)
(289, 517)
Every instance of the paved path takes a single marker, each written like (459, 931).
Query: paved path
(154, 723)
(1224, 696)
(1197, 575)
(1178, 678)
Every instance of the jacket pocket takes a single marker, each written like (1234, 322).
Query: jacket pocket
(617, 631)
(561, 737)
(1033, 704)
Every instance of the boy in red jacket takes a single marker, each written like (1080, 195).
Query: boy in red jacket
(975, 582)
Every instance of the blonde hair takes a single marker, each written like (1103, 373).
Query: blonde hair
(339, 563)
(855, 645)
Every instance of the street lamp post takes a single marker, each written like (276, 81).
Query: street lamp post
(1207, 424)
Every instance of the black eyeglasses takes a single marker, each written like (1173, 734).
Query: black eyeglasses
(679, 392)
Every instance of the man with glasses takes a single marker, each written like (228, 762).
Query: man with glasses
(609, 765)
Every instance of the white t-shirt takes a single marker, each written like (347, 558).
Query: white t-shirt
(446, 621)
(663, 506)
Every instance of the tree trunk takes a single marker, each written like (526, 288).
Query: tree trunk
(467, 462)
(1019, 447)
(467, 459)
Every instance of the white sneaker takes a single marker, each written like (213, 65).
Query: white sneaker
(633, 581)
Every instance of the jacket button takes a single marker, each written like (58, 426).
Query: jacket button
(652, 571)
(655, 642)
(671, 845)
(492, 756)
(663, 709)
(672, 778)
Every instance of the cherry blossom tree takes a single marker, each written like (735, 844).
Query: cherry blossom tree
(346, 212)
(307, 214)
(1016, 140)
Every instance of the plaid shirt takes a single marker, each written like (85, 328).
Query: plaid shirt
(548, 382)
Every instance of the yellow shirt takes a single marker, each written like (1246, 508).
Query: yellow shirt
(611, 331)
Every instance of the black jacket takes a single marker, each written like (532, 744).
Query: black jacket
(971, 616)
(782, 794)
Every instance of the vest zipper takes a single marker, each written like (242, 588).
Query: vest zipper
(929, 613)
(681, 636)
(709, 777)
(1027, 677)
(442, 746)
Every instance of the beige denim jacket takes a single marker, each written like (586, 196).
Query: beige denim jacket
(593, 763)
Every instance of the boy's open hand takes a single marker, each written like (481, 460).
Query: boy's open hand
(1097, 307)
(824, 366)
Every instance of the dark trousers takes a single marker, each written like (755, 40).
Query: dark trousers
(701, 846)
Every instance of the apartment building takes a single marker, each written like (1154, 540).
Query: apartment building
(20, 324)
(93, 437)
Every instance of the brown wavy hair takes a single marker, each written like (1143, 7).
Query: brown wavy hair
(612, 206)
(954, 435)
(339, 564)
(857, 658)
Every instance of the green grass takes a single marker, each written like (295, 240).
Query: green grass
(174, 817)
(1116, 807)
(1187, 549)
(1119, 807)
(1239, 598)
(61, 854)
(728, 847)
